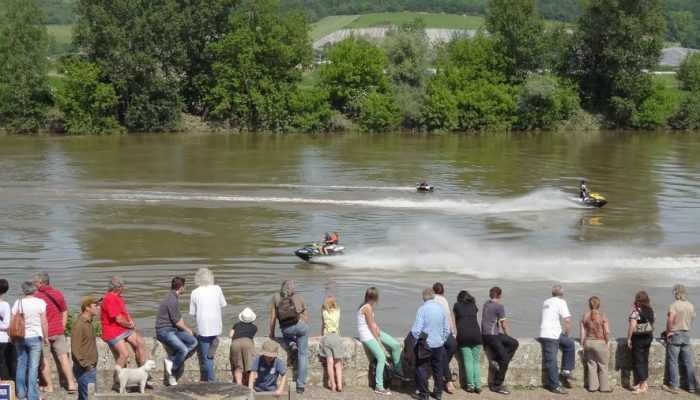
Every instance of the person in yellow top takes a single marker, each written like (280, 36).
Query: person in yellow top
(332, 344)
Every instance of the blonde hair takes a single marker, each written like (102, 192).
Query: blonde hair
(329, 303)
(203, 277)
(594, 305)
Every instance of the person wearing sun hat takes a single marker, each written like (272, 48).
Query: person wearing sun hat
(268, 373)
(242, 345)
(83, 346)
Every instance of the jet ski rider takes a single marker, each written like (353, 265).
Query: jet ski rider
(328, 241)
(583, 190)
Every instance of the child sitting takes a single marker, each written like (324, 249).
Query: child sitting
(266, 370)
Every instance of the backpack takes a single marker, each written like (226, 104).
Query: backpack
(388, 372)
(287, 313)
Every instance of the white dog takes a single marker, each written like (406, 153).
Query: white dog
(128, 376)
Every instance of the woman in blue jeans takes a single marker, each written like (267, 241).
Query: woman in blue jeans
(29, 347)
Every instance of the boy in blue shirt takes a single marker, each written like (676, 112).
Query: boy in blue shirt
(267, 369)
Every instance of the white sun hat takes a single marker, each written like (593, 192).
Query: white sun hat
(247, 315)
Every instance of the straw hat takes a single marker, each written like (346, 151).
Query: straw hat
(247, 315)
(269, 348)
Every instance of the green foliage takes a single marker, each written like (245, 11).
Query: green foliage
(136, 44)
(689, 73)
(680, 25)
(89, 105)
(73, 316)
(518, 26)
(377, 112)
(408, 54)
(355, 66)
(256, 66)
(656, 110)
(688, 115)
(545, 101)
(617, 42)
(439, 110)
(24, 90)
(310, 111)
(485, 105)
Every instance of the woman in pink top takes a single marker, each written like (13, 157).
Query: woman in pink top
(595, 333)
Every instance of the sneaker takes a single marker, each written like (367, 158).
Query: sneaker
(567, 375)
(669, 389)
(383, 391)
(168, 365)
(477, 390)
(469, 389)
(558, 390)
(300, 390)
(500, 390)
(418, 396)
(172, 381)
(293, 350)
(432, 394)
(691, 390)
(494, 366)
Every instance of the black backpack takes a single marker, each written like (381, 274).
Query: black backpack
(287, 313)
(388, 372)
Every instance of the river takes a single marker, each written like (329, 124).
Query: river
(152, 207)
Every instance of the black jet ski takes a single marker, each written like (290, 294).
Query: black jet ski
(424, 187)
(594, 200)
(313, 251)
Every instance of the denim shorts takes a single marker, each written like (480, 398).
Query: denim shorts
(119, 338)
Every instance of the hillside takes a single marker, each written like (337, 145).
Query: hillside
(56, 12)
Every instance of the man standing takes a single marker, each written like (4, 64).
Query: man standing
(289, 309)
(57, 317)
(451, 342)
(680, 318)
(118, 328)
(172, 331)
(431, 321)
(553, 337)
(502, 345)
(206, 303)
(83, 346)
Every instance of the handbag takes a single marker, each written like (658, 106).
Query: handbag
(16, 329)
(644, 326)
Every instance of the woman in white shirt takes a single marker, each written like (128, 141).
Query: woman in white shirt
(29, 347)
(206, 303)
(8, 358)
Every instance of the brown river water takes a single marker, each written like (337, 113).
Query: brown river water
(503, 213)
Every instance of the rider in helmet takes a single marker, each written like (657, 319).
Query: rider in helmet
(583, 190)
(328, 241)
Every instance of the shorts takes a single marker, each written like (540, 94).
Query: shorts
(332, 346)
(58, 345)
(119, 338)
(241, 355)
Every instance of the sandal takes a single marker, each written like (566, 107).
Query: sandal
(72, 391)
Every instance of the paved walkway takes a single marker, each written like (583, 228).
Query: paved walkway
(316, 393)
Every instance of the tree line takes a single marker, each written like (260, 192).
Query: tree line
(245, 65)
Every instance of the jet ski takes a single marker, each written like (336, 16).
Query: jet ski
(313, 251)
(594, 200)
(424, 187)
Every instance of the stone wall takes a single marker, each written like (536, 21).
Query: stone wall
(525, 369)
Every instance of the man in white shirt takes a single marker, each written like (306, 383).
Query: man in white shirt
(553, 336)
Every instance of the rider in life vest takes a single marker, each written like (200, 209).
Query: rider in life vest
(582, 190)
(329, 240)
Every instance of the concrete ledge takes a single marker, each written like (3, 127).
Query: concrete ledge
(525, 369)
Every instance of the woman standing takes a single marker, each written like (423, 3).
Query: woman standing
(639, 338)
(206, 303)
(371, 337)
(332, 344)
(36, 329)
(8, 358)
(469, 339)
(595, 333)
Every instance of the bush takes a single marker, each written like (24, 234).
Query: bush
(439, 110)
(340, 123)
(688, 115)
(545, 101)
(377, 112)
(485, 105)
(88, 105)
(657, 109)
(155, 107)
(689, 73)
(310, 111)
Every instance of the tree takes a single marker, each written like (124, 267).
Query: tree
(355, 66)
(134, 43)
(545, 101)
(257, 66)
(377, 112)
(616, 44)
(689, 73)
(519, 27)
(24, 90)
(89, 105)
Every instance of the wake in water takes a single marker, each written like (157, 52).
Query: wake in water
(541, 200)
(435, 249)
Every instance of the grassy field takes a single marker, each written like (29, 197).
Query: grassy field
(62, 33)
(329, 25)
(440, 21)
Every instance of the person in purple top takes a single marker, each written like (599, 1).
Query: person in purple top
(502, 345)
(431, 321)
